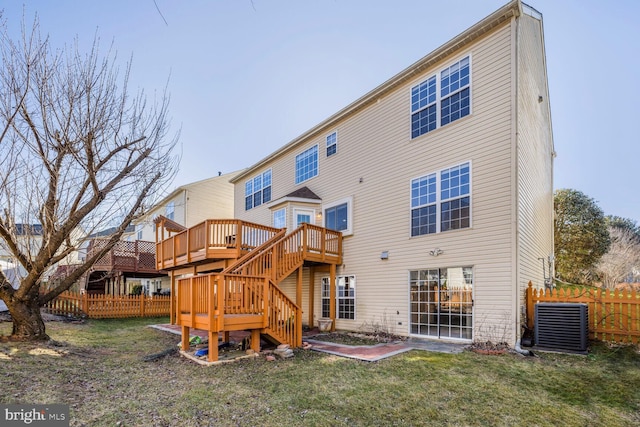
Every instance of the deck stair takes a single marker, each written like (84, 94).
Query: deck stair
(246, 295)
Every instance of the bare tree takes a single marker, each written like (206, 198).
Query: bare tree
(78, 153)
(623, 256)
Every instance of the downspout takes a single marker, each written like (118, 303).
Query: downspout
(520, 350)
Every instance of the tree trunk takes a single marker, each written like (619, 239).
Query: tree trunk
(27, 321)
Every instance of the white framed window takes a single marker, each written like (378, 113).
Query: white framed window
(332, 144)
(325, 297)
(280, 218)
(338, 215)
(301, 216)
(257, 190)
(307, 164)
(170, 210)
(139, 228)
(345, 297)
(442, 98)
(441, 201)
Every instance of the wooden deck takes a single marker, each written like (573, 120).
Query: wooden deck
(126, 257)
(245, 296)
(213, 239)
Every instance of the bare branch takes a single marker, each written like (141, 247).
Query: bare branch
(78, 153)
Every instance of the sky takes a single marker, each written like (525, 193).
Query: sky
(248, 76)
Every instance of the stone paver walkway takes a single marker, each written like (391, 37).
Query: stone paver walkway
(369, 353)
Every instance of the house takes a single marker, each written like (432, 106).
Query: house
(28, 238)
(439, 182)
(187, 206)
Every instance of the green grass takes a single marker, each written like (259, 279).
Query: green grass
(97, 369)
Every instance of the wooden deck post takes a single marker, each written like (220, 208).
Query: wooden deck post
(174, 299)
(298, 319)
(299, 287)
(312, 278)
(185, 338)
(332, 295)
(213, 347)
(255, 340)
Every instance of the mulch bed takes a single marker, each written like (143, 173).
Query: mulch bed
(488, 347)
(355, 338)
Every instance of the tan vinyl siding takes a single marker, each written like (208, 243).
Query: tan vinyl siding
(374, 145)
(148, 232)
(193, 203)
(211, 198)
(535, 152)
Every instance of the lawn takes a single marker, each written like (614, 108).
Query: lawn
(97, 368)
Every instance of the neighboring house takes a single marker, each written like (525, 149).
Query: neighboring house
(440, 183)
(126, 265)
(29, 239)
(440, 180)
(13, 273)
(187, 205)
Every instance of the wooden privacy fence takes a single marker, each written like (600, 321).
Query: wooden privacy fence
(613, 315)
(108, 306)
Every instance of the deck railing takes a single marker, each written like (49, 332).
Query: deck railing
(613, 315)
(136, 256)
(277, 261)
(205, 300)
(210, 239)
(94, 306)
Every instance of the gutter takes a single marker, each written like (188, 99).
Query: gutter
(499, 17)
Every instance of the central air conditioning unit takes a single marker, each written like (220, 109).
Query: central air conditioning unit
(562, 327)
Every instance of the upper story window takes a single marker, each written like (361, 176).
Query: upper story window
(307, 164)
(170, 210)
(336, 217)
(257, 190)
(441, 201)
(339, 215)
(139, 228)
(332, 144)
(441, 99)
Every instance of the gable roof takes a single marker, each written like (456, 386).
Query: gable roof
(111, 230)
(304, 193)
(497, 18)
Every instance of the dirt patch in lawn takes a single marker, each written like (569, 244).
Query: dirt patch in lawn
(357, 338)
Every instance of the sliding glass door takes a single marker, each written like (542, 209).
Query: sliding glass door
(442, 302)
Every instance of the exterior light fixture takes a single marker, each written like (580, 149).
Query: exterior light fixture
(436, 252)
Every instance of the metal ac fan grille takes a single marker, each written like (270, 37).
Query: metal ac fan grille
(561, 326)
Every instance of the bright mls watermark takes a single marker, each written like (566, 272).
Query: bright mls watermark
(34, 415)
